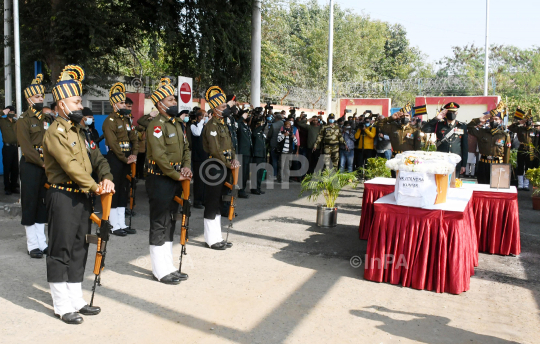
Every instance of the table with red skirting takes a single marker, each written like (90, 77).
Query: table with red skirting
(495, 213)
(432, 248)
(373, 190)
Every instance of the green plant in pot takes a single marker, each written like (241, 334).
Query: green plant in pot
(327, 183)
(533, 175)
(375, 167)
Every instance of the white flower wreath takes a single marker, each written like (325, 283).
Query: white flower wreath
(425, 162)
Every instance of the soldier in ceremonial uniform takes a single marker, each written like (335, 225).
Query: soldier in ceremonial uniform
(258, 156)
(330, 137)
(69, 162)
(30, 130)
(451, 134)
(123, 148)
(169, 162)
(526, 135)
(493, 143)
(10, 153)
(222, 158)
(245, 148)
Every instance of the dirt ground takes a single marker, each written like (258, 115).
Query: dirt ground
(284, 281)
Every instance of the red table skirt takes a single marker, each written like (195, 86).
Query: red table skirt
(422, 249)
(495, 213)
(497, 222)
(372, 192)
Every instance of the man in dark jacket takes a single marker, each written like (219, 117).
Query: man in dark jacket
(313, 128)
(245, 149)
(272, 140)
(198, 156)
(258, 156)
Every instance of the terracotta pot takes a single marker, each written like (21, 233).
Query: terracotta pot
(536, 202)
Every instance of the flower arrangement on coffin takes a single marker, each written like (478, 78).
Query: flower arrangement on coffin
(441, 165)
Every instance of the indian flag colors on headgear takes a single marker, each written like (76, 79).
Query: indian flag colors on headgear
(164, 90)
(215, 96)
(117, 93)
(35, 87)
(69, 83)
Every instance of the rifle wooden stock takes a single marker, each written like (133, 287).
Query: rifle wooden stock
(95, 219)
(106, 200)
(234, 172)
(178, 200)
(47, 186)
(131, 178)
(185, 195)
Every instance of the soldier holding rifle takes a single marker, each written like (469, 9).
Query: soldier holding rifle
(217, 171)
(169, 162)
(69, 161)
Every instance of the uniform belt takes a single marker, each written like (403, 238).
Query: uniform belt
(125, 146)
(488, 159)
(10, 144)
(69, 187)
(331, 144)
(154, 169)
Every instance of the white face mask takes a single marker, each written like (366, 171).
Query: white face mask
(89, 121)
(205, 120)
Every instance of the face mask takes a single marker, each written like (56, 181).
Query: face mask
(528, 123)
(124, 112)
(186, 119)
(11, 115)
(368, 124)
(205, 120)
(494, 124)
(450, 115)
(269, 118)
(37, 106)
(88, 121)
(74, 116)
(171, 111)
(405, 120)
(330, 121)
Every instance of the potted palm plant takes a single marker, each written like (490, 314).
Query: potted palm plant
(327, 183)
(533, 175)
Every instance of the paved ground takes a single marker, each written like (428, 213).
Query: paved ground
(284, 281)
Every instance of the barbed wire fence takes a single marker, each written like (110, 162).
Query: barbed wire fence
(396, 88)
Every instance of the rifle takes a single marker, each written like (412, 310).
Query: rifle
(232, 197)
(132, 187)
(186, 213)
(100, 239)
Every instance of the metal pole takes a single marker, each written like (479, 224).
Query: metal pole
(16, 43)
(330, 53)
(486, 67)
(256, 54)
(7, 53)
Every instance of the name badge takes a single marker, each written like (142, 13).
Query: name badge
(172, 135)
(119, 127)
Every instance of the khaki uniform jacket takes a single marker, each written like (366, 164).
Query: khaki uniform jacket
(217, 141)
(329, 135)
(402, 138)
(69, 157)
(526, 136)
(167, 144)
(120, 136)
(496, 145)
(31, 128)
(9, 133)
(312, 132)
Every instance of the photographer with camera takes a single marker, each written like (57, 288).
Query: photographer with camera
(365, 135)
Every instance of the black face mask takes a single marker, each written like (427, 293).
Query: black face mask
(76, 116)
(450, 115)
(124, 112)
(11, 115)
(528, 123)
(38, 106)
(227, 112)
(494, 124)
(405, 120)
